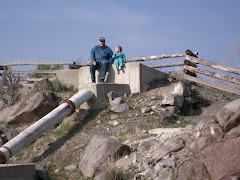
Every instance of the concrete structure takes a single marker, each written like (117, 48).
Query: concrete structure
(100, 93)
(17, 171)
(134, 78)
(136, 75)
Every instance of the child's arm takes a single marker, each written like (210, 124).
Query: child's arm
(124, 58)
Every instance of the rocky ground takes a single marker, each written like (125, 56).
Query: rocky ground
(165, 141)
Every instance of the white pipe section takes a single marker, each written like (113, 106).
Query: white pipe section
(38, 128)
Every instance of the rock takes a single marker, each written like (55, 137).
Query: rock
(3, 138)
(191, 100)
(172, 109)
(147, 173)
(233, 121)
(115, 123)
(193, 170)
(229, 115)
(165, 117)
(158, 166)
(167, 133)
(114, 116)
(11, 133)
(173, 100)
(145, 145)
(28, 110)
(170, 162)
(174, 144)
(41, 171)
(165, 174)
(200, 143)
(145, 109)
(71, 167)
(189, 126)
(207, 128)
(233, 133)
(222, 158)
(113, 99)
(120, 108)
(99, 177)
(99, 149)
(2, 104)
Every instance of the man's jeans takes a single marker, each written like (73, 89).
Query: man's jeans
(104, 69)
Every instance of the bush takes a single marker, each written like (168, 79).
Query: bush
(10, 86)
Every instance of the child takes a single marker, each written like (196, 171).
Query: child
(119, 57)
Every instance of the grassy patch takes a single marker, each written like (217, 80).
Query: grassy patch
(111, 172)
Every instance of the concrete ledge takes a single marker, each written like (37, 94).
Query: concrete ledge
(136, 75)
(17, 171)
(100, 91)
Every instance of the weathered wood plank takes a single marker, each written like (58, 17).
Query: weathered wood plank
(212, 74)
(20, 63)
(36, 72)
(162, 56)
(167, 65)
(210, 84)
(212, 65)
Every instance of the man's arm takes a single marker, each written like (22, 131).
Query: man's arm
(111, 59)
(92, 55)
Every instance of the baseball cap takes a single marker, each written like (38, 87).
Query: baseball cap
(101, 39)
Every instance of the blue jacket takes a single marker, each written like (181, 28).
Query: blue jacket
(101, 54)
(120, 56)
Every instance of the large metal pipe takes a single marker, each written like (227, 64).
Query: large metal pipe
(38, 128)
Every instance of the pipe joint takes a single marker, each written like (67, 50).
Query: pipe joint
(71, 105)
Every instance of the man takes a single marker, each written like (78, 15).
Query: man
(100, 56)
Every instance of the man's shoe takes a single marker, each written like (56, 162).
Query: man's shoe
(93, 81)
(102, 80)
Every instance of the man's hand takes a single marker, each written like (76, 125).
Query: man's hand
(109, 64)
(94, 63)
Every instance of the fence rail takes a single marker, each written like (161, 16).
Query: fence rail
(21, 63)
(190, 69)
(156, 57)
(36, 72)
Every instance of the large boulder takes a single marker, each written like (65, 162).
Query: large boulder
(233, 133)
(172, 145)
(229, 115)
(193, 170)
(28, 110)
(222, 158)
(99, 149)
(180, 88)
(208, 128)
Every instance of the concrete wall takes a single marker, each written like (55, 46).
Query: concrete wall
(135, 75)
(148, 74)
(17, 171)
(68, 77)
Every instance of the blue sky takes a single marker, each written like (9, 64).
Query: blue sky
(57, 30)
